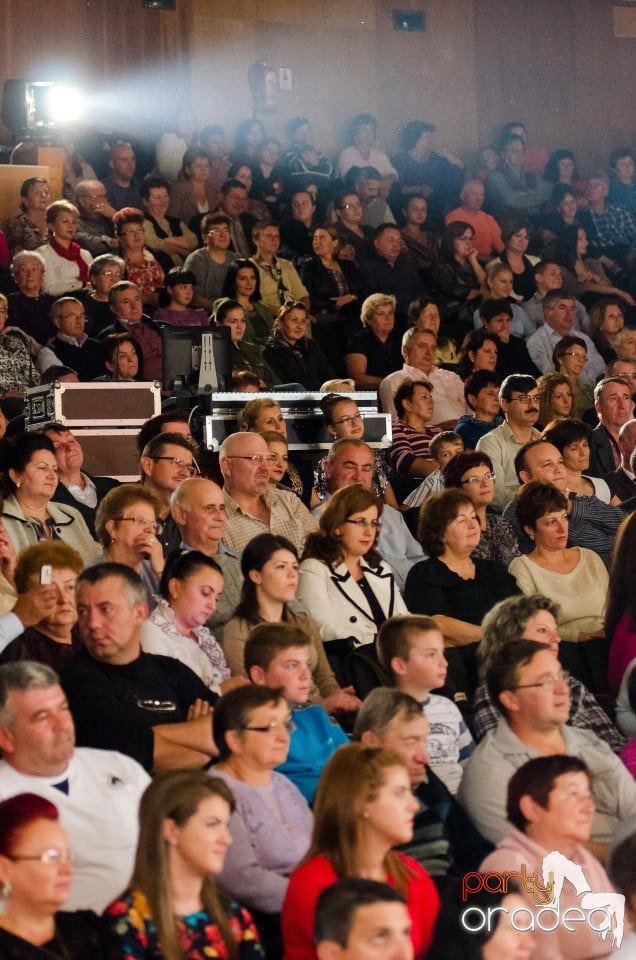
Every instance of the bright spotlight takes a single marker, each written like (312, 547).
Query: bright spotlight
(66, 105)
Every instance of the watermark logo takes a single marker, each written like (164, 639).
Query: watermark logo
(601, 912)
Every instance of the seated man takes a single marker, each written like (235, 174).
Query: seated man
(487, 237)
(165, 461)
(76, 488)
(127, 306)
(547, 277)
(95, 231)
(278, 278)
(302, 160)
(444, 840)
(122, 189)
(233, 200)
(368, 183)
(150, 707)
(209, 264)
(558, 315)
(97, 792)
(70, 345)
(621, 481)
(614, 407)
(252, 506)
(531, 692)
(277, 655)
(622, 190)
(389, 272)
(358, 918)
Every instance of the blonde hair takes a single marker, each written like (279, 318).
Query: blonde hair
(372, 303)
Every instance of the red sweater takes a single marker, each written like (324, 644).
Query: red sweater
(308, 882)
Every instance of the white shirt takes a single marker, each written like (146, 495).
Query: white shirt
(448, 392)
(99, 814)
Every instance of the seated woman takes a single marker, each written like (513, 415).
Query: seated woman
(344, 421)
(451, 582)
(141, 267)
(29, 475)
(127, 523)
(190, 586)
(242, 283)
(291, 354)
(472, 473)
(268, 176)
(168, 238)
(424, 314)
(569, 357)
(456, 278)
(620, 612)
(574, 577)
(583, 277)
(243, 171)
(363, 808)
(550, 808)
(607, 319)
(173, 907)
(53, 639)
(123, 359)
(344, 585)
(410, 454)
(243, 354)
(533, 618)
(355, 238)
(421, 244)
(192, 195)
(271, 824)
(334, 285)
(498, 285)
(29, 230)
(376, 351)
(481, 391)
(555, 398)
(66, 263)
(480, 351)
(270, 569)
(515, 233)
(35, 879)
(18, 356)
(572, 440)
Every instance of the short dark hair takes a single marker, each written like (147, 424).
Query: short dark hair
(493, 308)
(536, 499)
(565, 344)
(152, 428)
(233, 710)
(502, 671)
(17, 453)
(157, 444)
(405, 392)
(183, 564)
(133, 584)
(520, 458)
(563, 433)
(211, 219)
(152, 182)
(456, 467)
(395, 636)
(516, 383)
(179, 275)
(535, 779)
(266, 640)
(412, 131)
(553, 296)
(478, 381)
(435, 514)
(337, 904)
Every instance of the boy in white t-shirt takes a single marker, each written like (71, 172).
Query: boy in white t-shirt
(412, 648)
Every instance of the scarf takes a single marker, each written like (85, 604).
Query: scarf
(74, 255)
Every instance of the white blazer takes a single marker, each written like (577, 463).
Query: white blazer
(332, 597)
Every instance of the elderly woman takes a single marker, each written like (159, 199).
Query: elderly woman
(556, 397)
(533, 617)
(29, 230)
(141, 267)
(53, 639)
(375, 352)
(473, 474)
(607, 319)
(66, 263)
(127, 525)
(452, 581)
(572, 439)
(291, 354)
(410, 454)
(334, 285)
(344, 585)
(190, 586)
(242, 283)
(168, 236)
(456, 277)
(30, 477)
(18, 353)
(550, 808)
(574, 577)
(271, 825)
(569, 357)
(30, 307)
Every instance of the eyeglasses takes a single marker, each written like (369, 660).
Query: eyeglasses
(486, 476)
(575, 356)
(526, 399)
(53, 855)
(140, 522)
(354, 419)
(255, 457)
(287, 725)
(547, 682)
(110, 273)
(363, 524)
(190, 469)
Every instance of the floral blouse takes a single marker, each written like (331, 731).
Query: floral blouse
(199, 936)
(148, 275)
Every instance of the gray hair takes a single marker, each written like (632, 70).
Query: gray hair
(337, 446)
(22, 675)
(60, 303)
(506, 622)
(380, 707)
(132, 584)
(26, 255)
(598, 389)
(412, 332)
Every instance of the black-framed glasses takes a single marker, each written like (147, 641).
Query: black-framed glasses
(287, 725)
(190, 468)
(363, 523)
(52, 856)
(546, 682)
(486, 476)
(140, 522)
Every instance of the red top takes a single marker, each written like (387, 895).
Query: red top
(308, 882)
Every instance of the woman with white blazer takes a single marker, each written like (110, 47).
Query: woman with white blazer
(344, 584)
